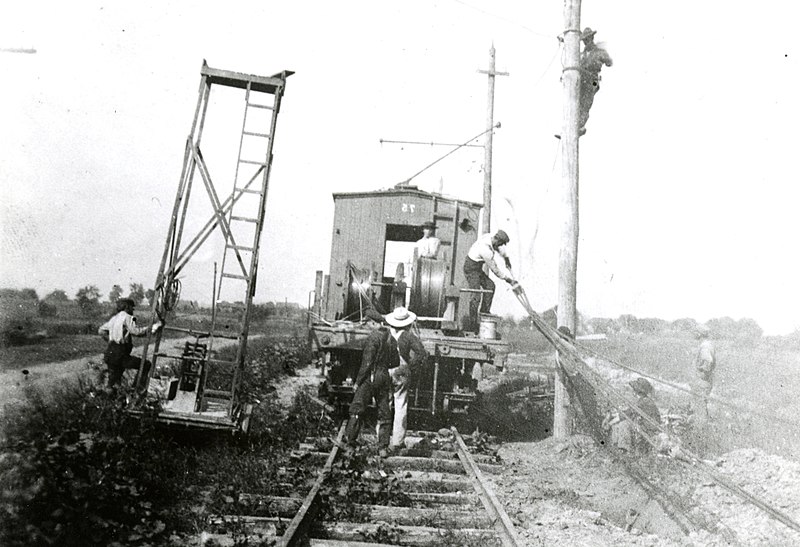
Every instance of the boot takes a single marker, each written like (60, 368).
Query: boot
(384, 434)
(352, 430)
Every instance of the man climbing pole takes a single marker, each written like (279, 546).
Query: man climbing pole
(593, 58)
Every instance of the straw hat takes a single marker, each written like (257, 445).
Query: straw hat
(400, 318)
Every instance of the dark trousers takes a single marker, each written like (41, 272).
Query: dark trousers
(477, 279)
(378, 388)
(118, 359)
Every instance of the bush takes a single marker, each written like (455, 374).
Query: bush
(75, 470)
(47, 310)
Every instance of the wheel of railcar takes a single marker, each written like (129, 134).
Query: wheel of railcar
(427, 293)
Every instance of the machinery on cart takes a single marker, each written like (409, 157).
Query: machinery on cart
(194, 387)
(373, 267)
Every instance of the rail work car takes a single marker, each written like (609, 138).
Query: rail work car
(374, 268)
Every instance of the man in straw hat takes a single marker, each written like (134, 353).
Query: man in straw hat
(382, 353)
(117, 331)
(412, 356)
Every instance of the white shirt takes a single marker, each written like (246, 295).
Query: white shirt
(482, 251)
(427, 247)
(121, 327)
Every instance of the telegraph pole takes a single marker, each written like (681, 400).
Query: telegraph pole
(568, 257)
(487, 163)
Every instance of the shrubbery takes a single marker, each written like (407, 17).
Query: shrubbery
(77, 469)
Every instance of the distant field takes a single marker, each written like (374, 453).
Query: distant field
(48, 350)
(762, 374)
(64, 347)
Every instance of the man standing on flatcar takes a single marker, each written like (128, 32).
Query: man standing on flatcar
(428, 246)
(481, 253)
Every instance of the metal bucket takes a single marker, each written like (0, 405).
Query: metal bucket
(488, 326)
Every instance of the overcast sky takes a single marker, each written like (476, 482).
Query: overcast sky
(689, 186)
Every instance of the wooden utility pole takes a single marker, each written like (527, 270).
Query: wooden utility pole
(568, 257)
(487, 163)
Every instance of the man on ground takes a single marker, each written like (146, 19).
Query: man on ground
(118, 331)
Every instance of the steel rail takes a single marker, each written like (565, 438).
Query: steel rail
(502, 523)
(297, 529)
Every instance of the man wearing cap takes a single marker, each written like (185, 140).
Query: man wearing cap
(593, 58)
(412, 356)
(428, 246)
(705, 361)
(483, 252)
(117, 331)
(628, 426)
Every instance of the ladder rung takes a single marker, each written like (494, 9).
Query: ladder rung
(253, 162)
(216, 393)
(240, 248)
(236, 276)
(255, 134)
(256, 105)
(248, 190)
(245, 219)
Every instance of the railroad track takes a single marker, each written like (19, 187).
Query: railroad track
(435, 494)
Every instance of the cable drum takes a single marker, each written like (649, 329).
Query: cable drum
(428, 287)
(356, 294)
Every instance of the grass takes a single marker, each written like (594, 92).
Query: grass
(49, 350)
(66, 347)
(75, 469)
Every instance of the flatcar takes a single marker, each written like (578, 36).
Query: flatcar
(373, 268)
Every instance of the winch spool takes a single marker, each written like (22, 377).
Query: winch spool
(357, 294)
(428, 287)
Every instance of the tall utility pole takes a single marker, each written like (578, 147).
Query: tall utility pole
(487, 163)
(568, 257)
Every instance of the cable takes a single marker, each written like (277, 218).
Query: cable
(761, 414)
(570, 352)
(535, 33)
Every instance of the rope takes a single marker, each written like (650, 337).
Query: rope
(685, 456)
(766, 415)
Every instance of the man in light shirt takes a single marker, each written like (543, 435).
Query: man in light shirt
(428, 246)
(705, 362)
(117, 331)
(482, 252)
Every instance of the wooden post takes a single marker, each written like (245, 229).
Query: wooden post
(318, 293)
(568, 256)
(487, 163)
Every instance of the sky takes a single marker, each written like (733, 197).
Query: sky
(688, 189)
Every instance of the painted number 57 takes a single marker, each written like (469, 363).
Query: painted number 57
(408, 207)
